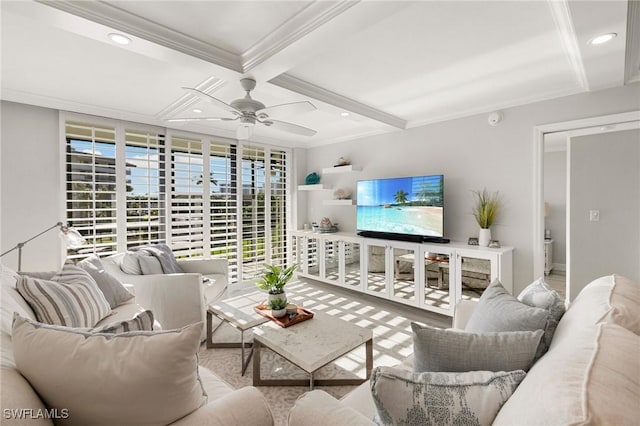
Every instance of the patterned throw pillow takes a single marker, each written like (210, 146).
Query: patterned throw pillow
(111, 287)
(71, 298)
(141, 322)
(435, 349)
(471, 398)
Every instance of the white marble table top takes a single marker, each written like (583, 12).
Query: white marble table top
(238, 310)
(313, 343)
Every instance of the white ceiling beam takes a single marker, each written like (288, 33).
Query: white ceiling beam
(307, 89)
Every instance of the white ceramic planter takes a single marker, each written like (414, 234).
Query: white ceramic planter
(484, 236)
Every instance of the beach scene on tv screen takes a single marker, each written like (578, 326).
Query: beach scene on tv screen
(409, 205)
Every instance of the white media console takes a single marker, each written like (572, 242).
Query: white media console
(429, 276)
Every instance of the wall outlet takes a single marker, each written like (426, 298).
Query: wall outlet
(594, 215)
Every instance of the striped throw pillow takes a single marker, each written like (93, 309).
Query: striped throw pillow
(141, 322)
(71, 298)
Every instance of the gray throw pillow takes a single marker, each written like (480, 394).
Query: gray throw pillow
(470, 398)
(150, 265)
(130, 264)
(498, 310)
(435, 349)
(113, 290)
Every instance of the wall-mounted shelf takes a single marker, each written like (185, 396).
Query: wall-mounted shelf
(339, 202)
(341, 169)
(315, 187)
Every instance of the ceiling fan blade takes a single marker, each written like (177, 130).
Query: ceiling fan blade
(286, 109)
(289, 127)
(177, 120)
(215, 101)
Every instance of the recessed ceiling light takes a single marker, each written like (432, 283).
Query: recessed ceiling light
(603, 38)
(119, 38)
(344, 114)
(197, 110)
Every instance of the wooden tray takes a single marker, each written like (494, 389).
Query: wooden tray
(303, 315)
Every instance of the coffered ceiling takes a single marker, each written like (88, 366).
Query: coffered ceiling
(390, 65)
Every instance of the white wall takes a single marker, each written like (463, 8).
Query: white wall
(605, 176)
(32, 192)
(555, 193)
(472, 155)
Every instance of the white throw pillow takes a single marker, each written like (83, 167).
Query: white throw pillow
(470, 398)
(112, 379)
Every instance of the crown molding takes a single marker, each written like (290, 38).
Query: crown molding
(111, 16)
(210, 85)
(297, 27)
(632, 62)
(564, 24)
(310, 90)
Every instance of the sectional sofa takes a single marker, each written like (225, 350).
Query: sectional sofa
(21, 405)
(589, 376)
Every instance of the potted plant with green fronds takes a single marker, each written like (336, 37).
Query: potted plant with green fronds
(278, 308)
(274, 280)
(485, 211)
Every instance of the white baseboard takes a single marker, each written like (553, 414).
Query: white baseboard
(560, 267)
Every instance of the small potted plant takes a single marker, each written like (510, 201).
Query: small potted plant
(274, 280)
(485, 211)
(278, 308)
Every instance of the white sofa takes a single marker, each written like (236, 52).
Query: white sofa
(225, 406)
(176, 300)
(590, 374)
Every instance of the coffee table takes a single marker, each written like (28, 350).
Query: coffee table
(238, 312)
(311, 345)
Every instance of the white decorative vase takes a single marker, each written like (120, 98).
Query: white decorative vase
(484, 236)
(278, 313)
(272, 296)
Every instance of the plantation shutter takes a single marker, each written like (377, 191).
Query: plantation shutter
(91, 185)
(278, 207)
(253, 211)
(145, 188)
(187, 197)
(224, 204)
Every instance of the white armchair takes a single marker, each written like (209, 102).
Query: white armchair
(176, 299)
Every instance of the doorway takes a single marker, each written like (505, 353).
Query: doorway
(595, 243)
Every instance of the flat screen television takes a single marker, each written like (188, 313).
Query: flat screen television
(404, 208)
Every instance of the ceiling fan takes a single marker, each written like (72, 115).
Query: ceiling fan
(250, 111)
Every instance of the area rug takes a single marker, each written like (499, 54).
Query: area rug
(391, 325)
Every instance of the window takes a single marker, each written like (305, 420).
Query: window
(127, 186)
(224, 204)
(187, 197)
(91, 202)
(145, 187)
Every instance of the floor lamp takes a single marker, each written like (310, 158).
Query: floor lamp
(70, 235)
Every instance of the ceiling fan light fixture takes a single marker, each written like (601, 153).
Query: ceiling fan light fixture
(244, 131)
(119, 39)
(603, 38)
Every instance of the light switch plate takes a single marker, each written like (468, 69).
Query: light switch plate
(594, 215)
